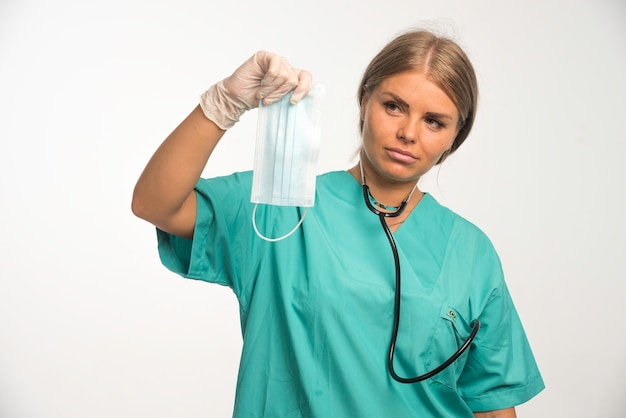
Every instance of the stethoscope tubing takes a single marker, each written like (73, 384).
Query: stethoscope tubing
(475, 324)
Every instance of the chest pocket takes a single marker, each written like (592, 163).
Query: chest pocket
(452, 330)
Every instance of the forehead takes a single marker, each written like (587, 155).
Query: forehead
(416, 88)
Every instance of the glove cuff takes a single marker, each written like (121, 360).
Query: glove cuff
(219, 107)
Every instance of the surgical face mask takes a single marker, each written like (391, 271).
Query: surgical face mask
(287, 147)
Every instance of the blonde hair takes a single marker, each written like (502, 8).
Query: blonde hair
(443, 61)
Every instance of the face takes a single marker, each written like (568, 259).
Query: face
(408, 123)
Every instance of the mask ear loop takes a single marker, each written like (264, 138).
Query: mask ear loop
(275, 239)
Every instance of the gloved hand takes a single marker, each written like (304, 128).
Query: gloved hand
(264, 76)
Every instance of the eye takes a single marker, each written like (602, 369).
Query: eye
(392, 107)
(435, 123)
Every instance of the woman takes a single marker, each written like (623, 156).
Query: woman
(317, 309)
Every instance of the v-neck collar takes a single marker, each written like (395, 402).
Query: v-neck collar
(356, 195)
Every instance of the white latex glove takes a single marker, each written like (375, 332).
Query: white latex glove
(264, 76)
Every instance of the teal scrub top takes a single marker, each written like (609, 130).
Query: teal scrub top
(316, 309)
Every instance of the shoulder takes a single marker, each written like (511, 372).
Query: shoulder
(335, 178)
(226, 183)
(461, 230)
(450, 216)
(336, 185)
(233, 178)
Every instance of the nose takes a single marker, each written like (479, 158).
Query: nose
(407, 132)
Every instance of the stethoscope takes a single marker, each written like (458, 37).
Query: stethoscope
(475, 324)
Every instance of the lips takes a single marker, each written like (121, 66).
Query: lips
(400, 155)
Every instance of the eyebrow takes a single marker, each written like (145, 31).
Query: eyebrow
(395, 97)
(434, 115)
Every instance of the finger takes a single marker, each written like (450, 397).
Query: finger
(279, 78)
(275, 71)
(305, 81)
(282, 89)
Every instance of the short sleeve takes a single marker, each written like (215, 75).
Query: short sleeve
(216, 253)
(501, 371)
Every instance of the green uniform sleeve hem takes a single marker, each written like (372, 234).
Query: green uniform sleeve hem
(505, 398)
(185, 257)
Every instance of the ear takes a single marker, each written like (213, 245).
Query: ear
(363, 103)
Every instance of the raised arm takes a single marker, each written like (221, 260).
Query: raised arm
(164, 194)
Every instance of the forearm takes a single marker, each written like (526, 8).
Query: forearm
(501, 413)
(164, 194)
(173, 171)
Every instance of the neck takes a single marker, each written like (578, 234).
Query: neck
(387, 193)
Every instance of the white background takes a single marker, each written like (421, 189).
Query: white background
(91, 325)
